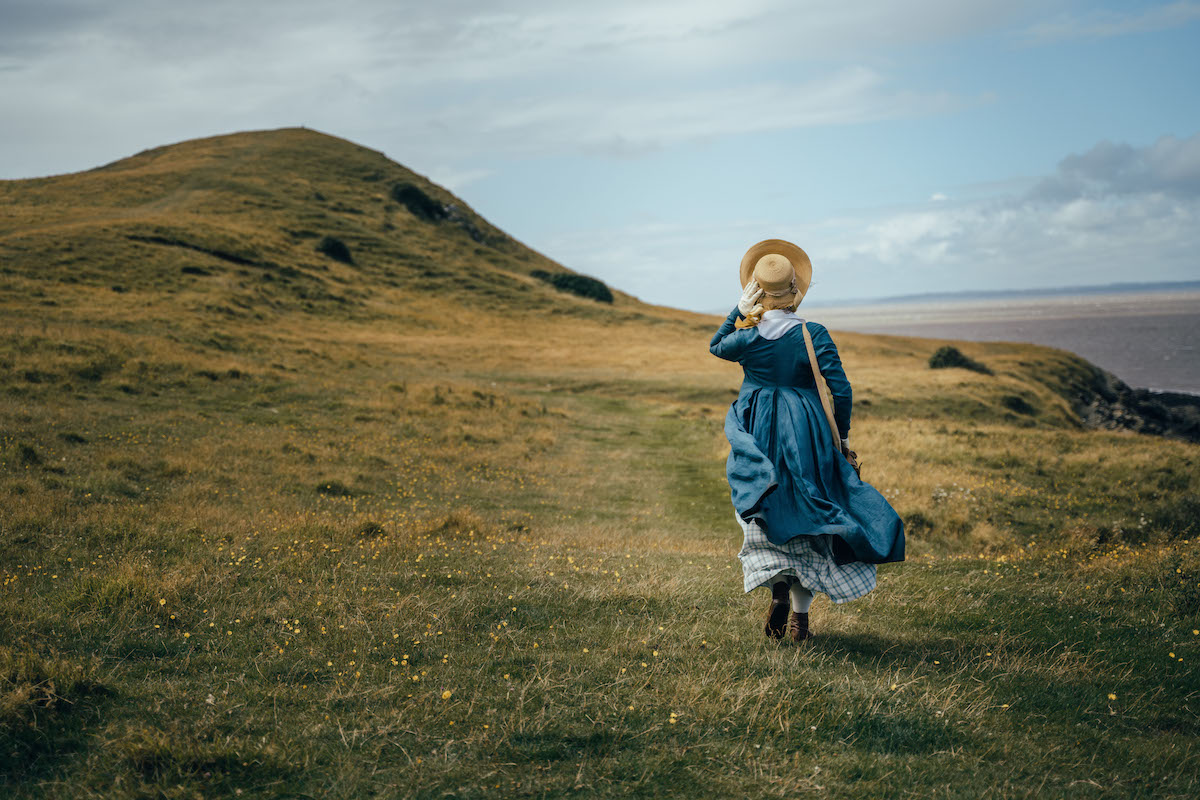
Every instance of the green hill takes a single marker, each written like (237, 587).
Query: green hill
(237, 223)
(405, 519)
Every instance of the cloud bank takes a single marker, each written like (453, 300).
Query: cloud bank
(446, 83)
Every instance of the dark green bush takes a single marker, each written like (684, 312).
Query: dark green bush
(418, 203)
(582, 285)
(1018, 404)
(948, 356)
(335, 249)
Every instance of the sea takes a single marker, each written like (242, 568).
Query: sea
(1149, 339)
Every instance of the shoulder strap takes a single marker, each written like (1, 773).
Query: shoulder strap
(822, 389)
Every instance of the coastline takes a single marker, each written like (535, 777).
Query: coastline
(1146, 339)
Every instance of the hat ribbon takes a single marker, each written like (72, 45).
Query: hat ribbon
(792, 289)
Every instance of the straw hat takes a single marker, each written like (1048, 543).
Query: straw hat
(781, 268)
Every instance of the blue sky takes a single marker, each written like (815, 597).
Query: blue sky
(908, 147)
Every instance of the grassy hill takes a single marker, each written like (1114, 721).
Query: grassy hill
(233, 224)
(414, 522)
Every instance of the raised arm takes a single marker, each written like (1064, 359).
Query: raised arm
(831, 369)
(729, 342)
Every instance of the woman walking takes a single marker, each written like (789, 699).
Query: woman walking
(809, 524)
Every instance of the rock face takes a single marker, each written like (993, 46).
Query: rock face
(1109, 403)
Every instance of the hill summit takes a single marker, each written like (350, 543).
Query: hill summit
(252, 222)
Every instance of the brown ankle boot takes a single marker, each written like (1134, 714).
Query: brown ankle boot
(797, 627)
(777, 611)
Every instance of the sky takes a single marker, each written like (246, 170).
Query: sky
(924, 146)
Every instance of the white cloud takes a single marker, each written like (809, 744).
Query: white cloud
(1114, 213)
(1169, 165)
(618, 124)
(484, 39)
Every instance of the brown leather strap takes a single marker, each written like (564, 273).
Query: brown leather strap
(822, 390)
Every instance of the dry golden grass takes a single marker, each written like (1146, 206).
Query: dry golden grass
(255, 538)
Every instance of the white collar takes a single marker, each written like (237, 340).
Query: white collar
(777, 322)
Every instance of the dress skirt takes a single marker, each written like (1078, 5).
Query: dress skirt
(809, 559)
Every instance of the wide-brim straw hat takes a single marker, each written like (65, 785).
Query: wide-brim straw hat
(768, 262)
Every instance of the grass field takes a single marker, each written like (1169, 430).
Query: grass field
(313, 548)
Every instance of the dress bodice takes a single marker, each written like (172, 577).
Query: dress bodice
(783, 362)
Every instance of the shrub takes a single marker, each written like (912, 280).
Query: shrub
(418, 203)
(335, 249)
(948, 356)
(582, 285)
(1018, 404)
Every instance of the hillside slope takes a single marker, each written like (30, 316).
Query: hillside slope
(232, 223)
(225, 234)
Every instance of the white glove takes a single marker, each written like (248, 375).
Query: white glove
(748, 305)
(845, 444)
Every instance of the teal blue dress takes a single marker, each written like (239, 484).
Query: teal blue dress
(784, 473)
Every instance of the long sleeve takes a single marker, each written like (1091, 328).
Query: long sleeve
(729, 342)
(831, 369)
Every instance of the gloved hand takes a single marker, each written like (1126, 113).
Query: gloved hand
(748, 305)
(852, 457)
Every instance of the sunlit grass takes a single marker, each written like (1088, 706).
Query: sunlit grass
(272, 581)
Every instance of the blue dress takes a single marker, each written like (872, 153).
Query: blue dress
(784, 474)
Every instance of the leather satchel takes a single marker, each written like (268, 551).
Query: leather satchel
(827, 404)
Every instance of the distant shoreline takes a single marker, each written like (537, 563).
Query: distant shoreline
(1147, 338)
(1003, 294)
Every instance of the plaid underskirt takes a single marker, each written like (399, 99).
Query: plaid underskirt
(809, 559)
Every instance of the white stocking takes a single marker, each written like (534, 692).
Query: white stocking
(801, 598)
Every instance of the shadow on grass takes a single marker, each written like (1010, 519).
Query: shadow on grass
(886, 652)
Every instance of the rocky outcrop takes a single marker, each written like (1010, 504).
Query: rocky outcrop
(1106, 402)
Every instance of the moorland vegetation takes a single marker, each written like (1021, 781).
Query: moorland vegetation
(272, 522)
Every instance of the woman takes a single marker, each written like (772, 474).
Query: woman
(810, 525)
